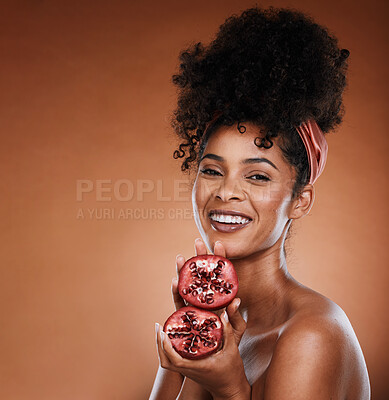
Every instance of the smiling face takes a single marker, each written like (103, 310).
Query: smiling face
(242, 193)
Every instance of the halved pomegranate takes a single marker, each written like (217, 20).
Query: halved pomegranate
(208, 282)
(194, 333)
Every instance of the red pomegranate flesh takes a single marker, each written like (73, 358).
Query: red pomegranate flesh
(208, 281)
(194, 333)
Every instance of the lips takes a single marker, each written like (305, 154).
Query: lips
(232, 220)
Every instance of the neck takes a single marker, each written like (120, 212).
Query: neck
(264, 286)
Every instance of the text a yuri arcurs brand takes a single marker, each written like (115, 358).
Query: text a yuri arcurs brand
(105, 213)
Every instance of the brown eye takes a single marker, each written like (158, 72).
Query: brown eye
(208, 171)
(259, 177)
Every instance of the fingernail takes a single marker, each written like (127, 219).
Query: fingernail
(162, 336)
(238, 304)
(156, 327)
(218, 241)
(197, 239)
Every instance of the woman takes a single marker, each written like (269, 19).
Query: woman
(252, 112)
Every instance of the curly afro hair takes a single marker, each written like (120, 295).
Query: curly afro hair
(273, 67)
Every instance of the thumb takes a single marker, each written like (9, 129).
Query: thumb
(237, 322)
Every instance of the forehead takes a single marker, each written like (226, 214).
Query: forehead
(231, 144)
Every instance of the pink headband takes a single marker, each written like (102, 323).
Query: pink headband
(316, 146)
(314, 142)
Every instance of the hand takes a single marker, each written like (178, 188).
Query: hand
(222, 374)
(169, 383)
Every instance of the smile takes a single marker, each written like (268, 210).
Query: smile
(226, 222)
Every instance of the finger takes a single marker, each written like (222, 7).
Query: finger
(228, 333)
(218, 249)
(174, 359)
(177, 299)
(180, 261)
(200, 247)
(236, 320)
(163, 360)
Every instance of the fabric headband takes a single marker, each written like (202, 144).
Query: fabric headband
(314, 142)
(316, 145)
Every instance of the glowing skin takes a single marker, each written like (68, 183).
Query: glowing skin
(256, 189)
(282, 340)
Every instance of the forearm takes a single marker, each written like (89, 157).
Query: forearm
(237, 397)
(193, 391)
(242, 393)
(167, 385)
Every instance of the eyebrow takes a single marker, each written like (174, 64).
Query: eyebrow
(246, 161)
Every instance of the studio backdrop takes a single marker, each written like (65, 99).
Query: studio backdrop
(94, 209)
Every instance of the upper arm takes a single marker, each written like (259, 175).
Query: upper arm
(309, 363)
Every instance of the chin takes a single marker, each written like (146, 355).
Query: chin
(233, 249)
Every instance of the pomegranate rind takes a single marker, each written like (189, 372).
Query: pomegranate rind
(194, 333)
(219, 288)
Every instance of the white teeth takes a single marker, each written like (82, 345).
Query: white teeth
(229, 219)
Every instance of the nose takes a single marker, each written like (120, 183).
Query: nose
(229, 189)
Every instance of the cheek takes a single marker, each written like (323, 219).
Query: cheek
(279, 213)
(201, 194)
(198, 202)
(273, 208)
(263, 200)
(264, 195)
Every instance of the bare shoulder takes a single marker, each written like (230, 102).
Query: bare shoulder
(317, 354)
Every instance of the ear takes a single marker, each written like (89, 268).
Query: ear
(303, 203)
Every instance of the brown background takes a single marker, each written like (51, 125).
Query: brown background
(86, 95)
